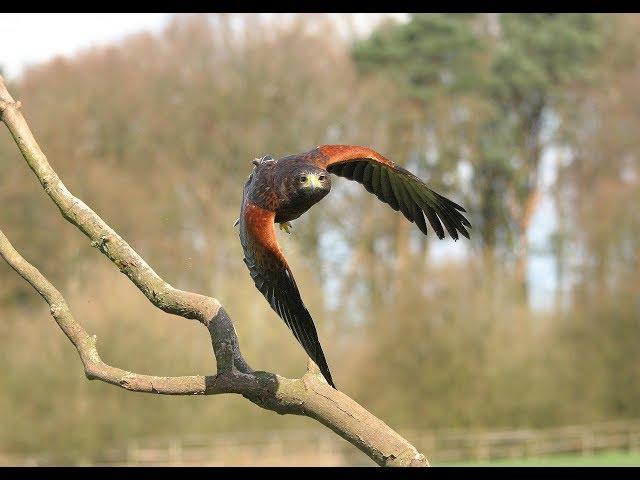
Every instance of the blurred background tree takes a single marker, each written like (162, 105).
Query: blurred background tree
(528, 120)
(500, 76)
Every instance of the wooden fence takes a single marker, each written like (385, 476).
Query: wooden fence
(322, 447)
(452, 446)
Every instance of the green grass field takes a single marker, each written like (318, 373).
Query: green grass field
(604, 459)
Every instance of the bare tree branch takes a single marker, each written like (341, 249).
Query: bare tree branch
(310, 395)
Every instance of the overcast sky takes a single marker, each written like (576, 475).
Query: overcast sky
(27, 38)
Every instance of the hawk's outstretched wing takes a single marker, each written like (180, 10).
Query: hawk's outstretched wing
(271, 274)
(394, 185)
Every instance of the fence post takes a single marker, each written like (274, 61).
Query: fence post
(482, 448)
(131, 452)
(175, 451)
(530, 445)
(587, 442)
(428, 444)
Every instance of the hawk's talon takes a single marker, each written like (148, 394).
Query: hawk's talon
(286, 226)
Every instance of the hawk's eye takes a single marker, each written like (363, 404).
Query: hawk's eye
(321, 177)
(303, 179)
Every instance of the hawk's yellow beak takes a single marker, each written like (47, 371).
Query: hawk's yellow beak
(314, 181)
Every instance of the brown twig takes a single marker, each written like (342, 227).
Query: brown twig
(310, 395)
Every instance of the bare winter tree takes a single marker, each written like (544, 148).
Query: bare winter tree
(310, 395)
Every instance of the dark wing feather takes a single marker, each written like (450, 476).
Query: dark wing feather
(273, 278)
(396, 186)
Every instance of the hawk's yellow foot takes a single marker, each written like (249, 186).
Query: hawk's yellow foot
(286, 226)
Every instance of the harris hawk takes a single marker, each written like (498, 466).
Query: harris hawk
(278, 191)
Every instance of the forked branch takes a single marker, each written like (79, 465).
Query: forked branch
(310, 395)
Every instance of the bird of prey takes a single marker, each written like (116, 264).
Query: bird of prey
(278, 191)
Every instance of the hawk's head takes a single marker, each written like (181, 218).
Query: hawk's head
(311, 179)
(308, 182)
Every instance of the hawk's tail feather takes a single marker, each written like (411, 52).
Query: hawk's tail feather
(310, 341)
(322, 364)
